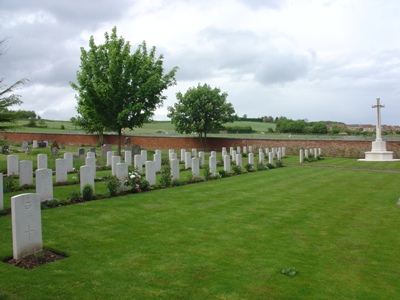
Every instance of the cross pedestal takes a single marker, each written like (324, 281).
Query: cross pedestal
(378, 151)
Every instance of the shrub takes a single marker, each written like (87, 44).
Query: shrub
(113, 184)
(207, 173)
(261, 167)
(279, 163)
(249, 167)
(176, 182)
(245, 155)
(87, 192)
(74, 197)
(237, 170)
(270, 166)
(10, 184)
(199, 179)
(223, 173)
(166, 177)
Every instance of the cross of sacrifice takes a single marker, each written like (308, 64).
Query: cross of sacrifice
(378, 118)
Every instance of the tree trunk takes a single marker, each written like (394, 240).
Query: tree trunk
(101, 137)
(203, 140)
(119, 140)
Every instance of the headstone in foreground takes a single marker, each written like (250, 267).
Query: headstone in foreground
(26, 225)
(42, 161)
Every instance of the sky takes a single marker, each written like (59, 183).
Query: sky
(318, 60)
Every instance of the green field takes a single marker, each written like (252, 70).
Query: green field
(229, 238)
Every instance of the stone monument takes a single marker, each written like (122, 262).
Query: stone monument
(378, 152)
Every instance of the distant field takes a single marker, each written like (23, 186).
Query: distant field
(162, 128)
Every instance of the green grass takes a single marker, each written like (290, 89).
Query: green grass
(224, 239)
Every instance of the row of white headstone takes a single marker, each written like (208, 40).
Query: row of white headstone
(26, 214)
(307, 152)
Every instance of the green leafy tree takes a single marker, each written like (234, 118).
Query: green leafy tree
(7, 97)
(201, 109)
(117, 89)
(319, 128)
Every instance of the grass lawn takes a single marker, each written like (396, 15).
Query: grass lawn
(224, 239)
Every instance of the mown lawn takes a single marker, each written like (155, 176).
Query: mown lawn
(224, 239)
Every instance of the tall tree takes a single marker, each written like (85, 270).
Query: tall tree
(7, 97)
(117, 89)
(201, 109)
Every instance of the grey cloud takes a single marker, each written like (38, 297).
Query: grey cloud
(281, 67)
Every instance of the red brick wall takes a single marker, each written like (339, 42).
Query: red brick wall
(337, 148)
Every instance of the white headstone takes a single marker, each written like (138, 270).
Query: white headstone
(238, 150)
(61, 170)
(214, 154)
(42, 161)
(261, 157)
(69, 161)
(315, 152)
(183, 151)
(91, 161)
(25, 172)
(110, 154)
(91, 154)
(170, 151)
(213, 165)
(306, 153)
(114, 161)
(201, 156)
(122, 174)
(173, 156)
(34, 144)
(12, 165)
(283, 151)
(44, 184)
(250, 149)
(137, 163)
(175, 169)
(128, 157)
(194, 152)
(319, 151)
(271, 158)
(239, 159)
(195, 166)
(233, 155)
(157, 159)
(151, 172)
(26, 225)
(230, 151)
(301, 156)
(227, 163)
(251, 158)
(143, 153)
(86, 176)
(244, 149)
(188, 160)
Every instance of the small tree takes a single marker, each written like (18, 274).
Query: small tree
(201, 109)
(117, 89)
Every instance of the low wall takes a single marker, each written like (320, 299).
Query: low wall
(336, 148)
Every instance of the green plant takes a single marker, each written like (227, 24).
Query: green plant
(74, 197)
(137, 182)
(87, 192)
(223, 173)
(289, 271)
(113, 184)
(207, 173)
(249, 167)
(279, 163)
(261, 167)
(176, 182)
(236, 169)
(270, 166)
(10, 184)
(166, 177)
(38, 255)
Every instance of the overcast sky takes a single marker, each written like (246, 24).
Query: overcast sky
(303, 59)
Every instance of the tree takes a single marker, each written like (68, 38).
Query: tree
(202, 110)
(7, 98)
(117, 89)
(319, 128)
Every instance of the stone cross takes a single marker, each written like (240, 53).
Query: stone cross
(378, 119)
